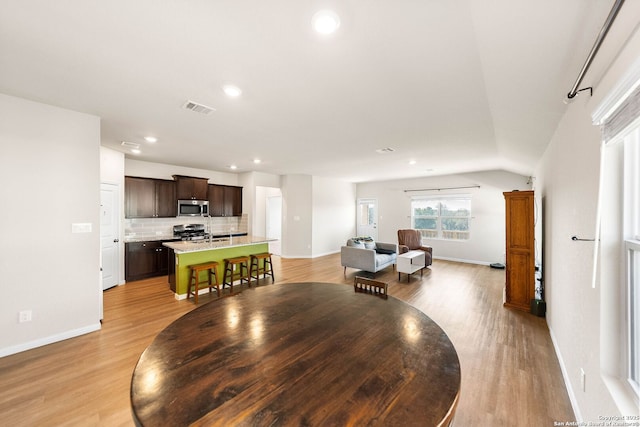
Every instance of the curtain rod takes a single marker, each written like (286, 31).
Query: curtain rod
(445, 188)
(603, 32)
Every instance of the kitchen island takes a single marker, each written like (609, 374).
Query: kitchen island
(185, 253)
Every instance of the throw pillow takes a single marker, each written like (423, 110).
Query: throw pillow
(370, 244)
(385, 251)
(355, 243)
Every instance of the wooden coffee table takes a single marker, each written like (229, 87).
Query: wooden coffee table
(410, 262)
(315, 354)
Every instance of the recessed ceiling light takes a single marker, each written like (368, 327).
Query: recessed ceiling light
(256, 161)
(412, 162)
(232, 91)
(151, 139)
(136, 151)
(325, 22)
(233, 167)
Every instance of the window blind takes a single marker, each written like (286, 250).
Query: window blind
(622, 117)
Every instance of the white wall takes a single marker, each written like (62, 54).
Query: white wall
(334, 213)
(49, 169)
(251, 200)
(297, 216)
(260, 214)
(567, 185)
(486, 244)
(163, 171)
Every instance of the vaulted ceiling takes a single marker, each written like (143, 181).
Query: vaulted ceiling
(450, 85)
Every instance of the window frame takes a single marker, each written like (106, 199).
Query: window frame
(439, 233)
(631, 246)
(633, 314)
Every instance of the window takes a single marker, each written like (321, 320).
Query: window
(632, 248)
(617, 250)
(633, 286)
(442, 217)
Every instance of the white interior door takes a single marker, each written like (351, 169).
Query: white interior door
(368, 218)
(109, 234)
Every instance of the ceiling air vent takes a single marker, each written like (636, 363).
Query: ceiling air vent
(198, 108)
(385, 150)
(130, 145)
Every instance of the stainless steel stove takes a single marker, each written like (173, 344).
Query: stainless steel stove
(190, 232)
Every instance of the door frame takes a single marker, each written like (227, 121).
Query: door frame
(360, 231)
(115, 188)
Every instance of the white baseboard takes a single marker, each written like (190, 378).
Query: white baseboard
(467, 261)
(49, 340)
(565, 377)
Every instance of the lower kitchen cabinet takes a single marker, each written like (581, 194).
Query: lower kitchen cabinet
(145, 259)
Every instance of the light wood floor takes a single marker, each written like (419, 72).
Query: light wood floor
(510, 374)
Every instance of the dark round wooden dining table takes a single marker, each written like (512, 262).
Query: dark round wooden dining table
(300, 354)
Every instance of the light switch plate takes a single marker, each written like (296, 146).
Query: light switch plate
(81, 227)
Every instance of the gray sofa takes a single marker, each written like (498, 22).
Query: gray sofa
(368, 256)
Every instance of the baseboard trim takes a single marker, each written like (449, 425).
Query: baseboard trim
(565, 377)
(466, 261)
(288, 256)
(49, 340)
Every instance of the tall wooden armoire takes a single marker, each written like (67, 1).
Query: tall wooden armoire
(520, 250)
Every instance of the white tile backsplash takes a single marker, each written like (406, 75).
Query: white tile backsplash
(154, 227)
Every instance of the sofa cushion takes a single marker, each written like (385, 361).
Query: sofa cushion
(382, 259)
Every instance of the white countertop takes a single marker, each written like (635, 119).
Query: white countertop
(182, 247)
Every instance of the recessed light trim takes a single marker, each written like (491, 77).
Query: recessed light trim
(325, 22)
(232, 91)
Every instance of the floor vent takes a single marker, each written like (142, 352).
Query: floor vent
(198, 108)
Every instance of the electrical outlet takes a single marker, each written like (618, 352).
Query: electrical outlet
(583, 380)
(24, 316)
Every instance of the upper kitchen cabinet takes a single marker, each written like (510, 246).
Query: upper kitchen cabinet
(225, 200)
(149, 198)
(191, 188)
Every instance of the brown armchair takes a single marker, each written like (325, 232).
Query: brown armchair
(411, 240)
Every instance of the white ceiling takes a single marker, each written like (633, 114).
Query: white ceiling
(455, 85)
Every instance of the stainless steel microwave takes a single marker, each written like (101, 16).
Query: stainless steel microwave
(193, 208)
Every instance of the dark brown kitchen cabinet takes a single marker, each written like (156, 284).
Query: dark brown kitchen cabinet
(225, 200)
(145, 259)
(191, 188)
(166, 200)
(149, 198)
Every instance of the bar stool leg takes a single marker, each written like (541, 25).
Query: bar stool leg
(270, 271)
(228, 272)
(196, 284)
(214, 272)
(254, 266)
